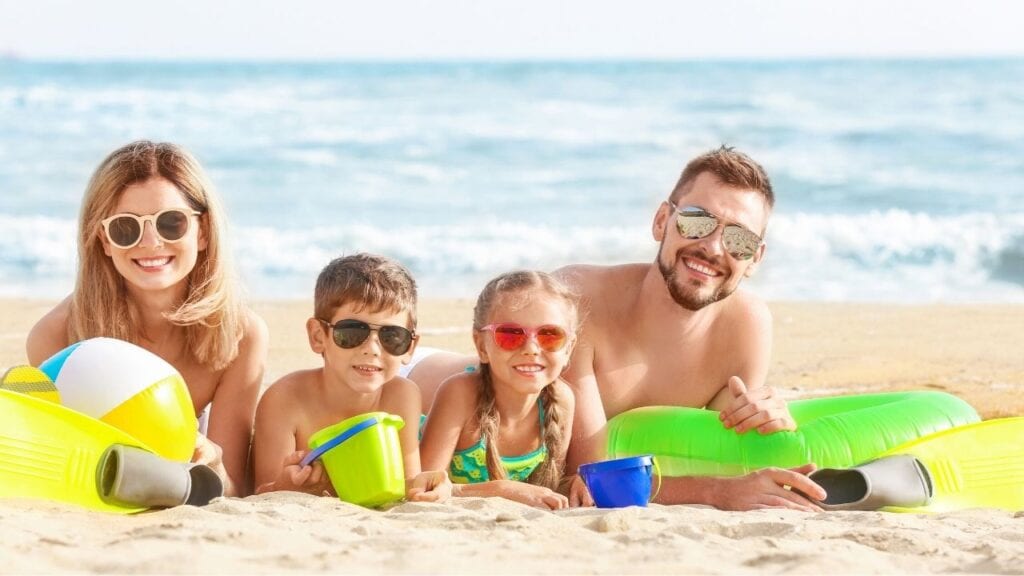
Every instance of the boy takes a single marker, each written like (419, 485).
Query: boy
(364, 329)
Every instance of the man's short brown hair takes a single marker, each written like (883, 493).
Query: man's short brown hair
(730, 167)
(370, 282)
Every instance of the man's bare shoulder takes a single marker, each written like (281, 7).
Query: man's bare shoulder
(591, 278)
(603, 289)
(745, 310)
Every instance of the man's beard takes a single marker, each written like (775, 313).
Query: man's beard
(689, 299)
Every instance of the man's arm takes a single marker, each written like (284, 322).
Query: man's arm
(745, 401)
(765, 488)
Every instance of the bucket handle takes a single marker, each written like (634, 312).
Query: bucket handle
(319, 450)
(657, 470)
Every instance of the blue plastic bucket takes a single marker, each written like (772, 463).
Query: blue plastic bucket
(621, 482)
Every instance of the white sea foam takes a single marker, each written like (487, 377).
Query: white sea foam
(888, 256)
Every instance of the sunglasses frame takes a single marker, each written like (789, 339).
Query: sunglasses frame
(697, 211)
(370, 328)
(529, 333)
(151, 218)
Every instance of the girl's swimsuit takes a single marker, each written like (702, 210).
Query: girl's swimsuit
(469, 466)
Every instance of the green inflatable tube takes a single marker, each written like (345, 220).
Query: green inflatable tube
(835, 432)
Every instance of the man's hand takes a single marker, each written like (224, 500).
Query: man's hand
(770, 488)
(759, 408)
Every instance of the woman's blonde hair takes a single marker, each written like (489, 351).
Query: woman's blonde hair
(212, 313)
(526, 283)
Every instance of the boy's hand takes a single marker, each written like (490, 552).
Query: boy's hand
(578, 493)
(298, 478)
(430, 486)
(759, 408)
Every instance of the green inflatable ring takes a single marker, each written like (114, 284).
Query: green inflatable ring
(834, 432)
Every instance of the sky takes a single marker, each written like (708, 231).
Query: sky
(510, 30)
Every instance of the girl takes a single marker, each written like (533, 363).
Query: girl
(153, 270)
(504, 430)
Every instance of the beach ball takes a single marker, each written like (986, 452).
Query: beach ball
(129, 388)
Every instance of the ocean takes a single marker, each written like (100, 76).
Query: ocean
(897, 181)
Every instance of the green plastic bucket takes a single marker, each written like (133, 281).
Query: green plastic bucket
(363, 458)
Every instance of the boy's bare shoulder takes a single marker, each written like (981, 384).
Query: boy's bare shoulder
(292, 385)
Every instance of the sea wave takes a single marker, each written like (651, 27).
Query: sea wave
(893, 255)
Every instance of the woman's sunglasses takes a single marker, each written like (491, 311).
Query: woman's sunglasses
(512, 336)
(125, 230)
(395, 340)
(695, 222)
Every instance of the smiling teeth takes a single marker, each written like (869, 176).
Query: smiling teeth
(368, 368)
(699, 268)
(529, 369)
(153, 262)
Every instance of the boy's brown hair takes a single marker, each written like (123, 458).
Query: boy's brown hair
(373, 282)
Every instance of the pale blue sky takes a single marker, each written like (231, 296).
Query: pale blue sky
(520, 29)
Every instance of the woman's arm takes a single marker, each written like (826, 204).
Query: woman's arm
(49, 335)
(234, 403)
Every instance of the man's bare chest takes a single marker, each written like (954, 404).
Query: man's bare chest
(629, 379)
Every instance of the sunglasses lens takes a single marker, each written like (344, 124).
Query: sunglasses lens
(739, 242)
(509, 337)
(551, 338)
(395, 340)
(124, 231)
(695, 226)
(351, 333)
(172, 225)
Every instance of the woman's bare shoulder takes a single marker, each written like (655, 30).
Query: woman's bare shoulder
(50, 333)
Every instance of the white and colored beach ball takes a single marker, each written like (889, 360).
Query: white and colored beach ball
(129, 388)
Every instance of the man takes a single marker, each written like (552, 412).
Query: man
(677, 332)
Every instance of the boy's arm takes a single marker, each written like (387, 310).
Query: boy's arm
(404, 401)
(274, 440)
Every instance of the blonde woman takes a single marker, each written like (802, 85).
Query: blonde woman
(153, 270)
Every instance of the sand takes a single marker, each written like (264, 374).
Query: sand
(821, 349)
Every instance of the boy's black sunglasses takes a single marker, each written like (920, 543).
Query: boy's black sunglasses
(349, 333)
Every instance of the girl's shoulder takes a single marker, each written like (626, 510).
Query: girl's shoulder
(463, 387)
(562, 390)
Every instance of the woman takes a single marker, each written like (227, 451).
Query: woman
(153, 270)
